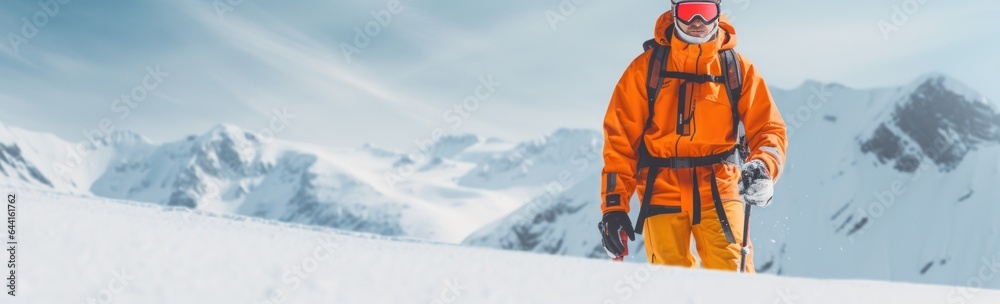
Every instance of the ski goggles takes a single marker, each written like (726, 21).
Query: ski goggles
(686, 12)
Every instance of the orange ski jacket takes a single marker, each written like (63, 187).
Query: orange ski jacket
(710, 128)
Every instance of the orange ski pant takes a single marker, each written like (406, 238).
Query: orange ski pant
(668, 239)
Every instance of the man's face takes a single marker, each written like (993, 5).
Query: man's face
(698, 28)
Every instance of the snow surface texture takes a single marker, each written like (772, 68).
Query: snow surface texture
(888, 184)
(75, 249)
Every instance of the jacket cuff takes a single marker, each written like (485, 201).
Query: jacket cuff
(614, 194)
(614, 202)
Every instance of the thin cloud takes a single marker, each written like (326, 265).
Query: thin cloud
(300, 57)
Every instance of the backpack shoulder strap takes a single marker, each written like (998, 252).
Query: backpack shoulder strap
(654, 82)
(651, 43)
(733, 81)
(654, 78)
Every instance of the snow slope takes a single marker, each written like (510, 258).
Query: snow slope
(868, 190)
(76, 249)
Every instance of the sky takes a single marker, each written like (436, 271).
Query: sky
(516, 69)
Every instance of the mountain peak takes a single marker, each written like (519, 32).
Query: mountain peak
(126, 137)
(537, 161)
(573, 132)
(941, 118)
(229, 132)
(451, 145)
(809, 84)
(571, 135)
(459, 138)
(5, 134)
(378, 151)
(941, 81)
(225, 129)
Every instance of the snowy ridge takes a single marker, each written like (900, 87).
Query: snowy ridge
(79, 244)
(537, 162)
(18, 164)
(69, 166)
(15, 167)
(229, 170)
(233, 171)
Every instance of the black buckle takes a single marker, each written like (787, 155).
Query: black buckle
(696, 78)
(680, 162)
(705, 78)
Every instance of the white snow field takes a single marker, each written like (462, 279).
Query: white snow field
(77, 249)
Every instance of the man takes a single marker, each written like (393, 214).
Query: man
(682, 160)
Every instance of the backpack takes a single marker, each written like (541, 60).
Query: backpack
(732, 79)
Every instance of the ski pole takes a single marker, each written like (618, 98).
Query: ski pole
(746, 237)
(624, 237)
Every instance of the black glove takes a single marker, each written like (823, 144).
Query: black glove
(756, 185)
(610, 225)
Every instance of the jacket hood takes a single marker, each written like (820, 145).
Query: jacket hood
(726, 38)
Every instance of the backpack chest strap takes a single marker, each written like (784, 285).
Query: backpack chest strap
(689, 77)
(646, 161)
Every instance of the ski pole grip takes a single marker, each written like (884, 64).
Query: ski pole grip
(624, 237)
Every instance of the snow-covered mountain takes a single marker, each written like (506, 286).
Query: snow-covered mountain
(232, 171)
(90, 250)
(891, 184)
(538, 162)
(899, 184)
(16, 165)
(43, 160)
